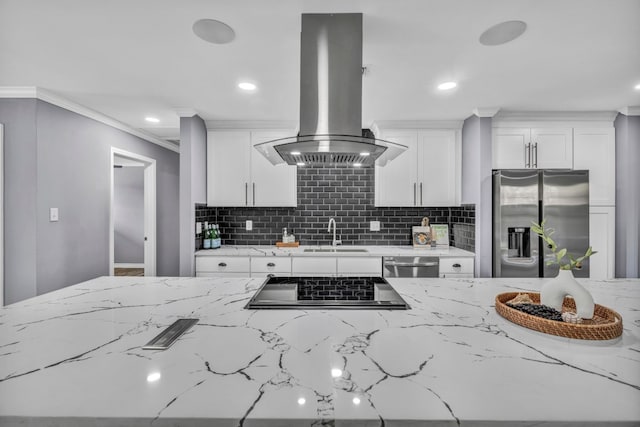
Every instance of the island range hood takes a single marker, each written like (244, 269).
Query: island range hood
(331, 100)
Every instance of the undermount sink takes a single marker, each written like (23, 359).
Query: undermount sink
(335, 250)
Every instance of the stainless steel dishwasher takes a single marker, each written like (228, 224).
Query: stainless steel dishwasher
(409, 266)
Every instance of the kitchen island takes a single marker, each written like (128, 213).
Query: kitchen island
(73, 357)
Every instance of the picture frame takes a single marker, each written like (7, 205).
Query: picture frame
(421, 236)
(440, 233)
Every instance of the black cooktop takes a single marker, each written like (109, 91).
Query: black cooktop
(327, 293)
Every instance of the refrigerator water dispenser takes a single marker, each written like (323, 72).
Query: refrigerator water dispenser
(519, 242)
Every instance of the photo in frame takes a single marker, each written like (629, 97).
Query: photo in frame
(440, 233)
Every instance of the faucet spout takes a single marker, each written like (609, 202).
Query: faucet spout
(334, 242)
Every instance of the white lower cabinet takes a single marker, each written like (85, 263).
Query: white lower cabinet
(602, 239)
(263, 266)
(222, 266)
(456, 267)
(313, 266)
(359, 266)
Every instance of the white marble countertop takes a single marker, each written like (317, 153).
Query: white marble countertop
(406, 250)
(73, 357)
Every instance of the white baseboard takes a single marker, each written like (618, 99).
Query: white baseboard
(128, 265)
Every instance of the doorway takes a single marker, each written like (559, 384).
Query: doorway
(132, 223)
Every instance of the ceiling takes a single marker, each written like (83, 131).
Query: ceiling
(131, 59)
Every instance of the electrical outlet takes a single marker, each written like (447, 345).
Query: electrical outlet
(53, 214)
(374, 226)
(249, 225)
(198, 228)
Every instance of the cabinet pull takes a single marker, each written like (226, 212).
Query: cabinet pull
(535, 158)
(420, 194)
(414, 193)
(254, 193)
(527, 155)
(246, 191)
(271, 264)
(456, 265)
(222, 264)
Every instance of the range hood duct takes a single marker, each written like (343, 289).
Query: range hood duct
(331, 99)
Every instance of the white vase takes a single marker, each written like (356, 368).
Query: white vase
(553, 292)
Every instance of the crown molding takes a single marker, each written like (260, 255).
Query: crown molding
(186, 112)
(416, 124)
(486, 111)
(556, 116)
(251, 124)
(59, 101)
(630, 111)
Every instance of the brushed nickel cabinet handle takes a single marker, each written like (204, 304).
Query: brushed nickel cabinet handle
(414, 192)
(246, 196)
(254, 193)
(535, 158)
(271, 264)
(420, 194)
(456, 265)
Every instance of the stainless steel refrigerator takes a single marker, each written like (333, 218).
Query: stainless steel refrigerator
(522, 196)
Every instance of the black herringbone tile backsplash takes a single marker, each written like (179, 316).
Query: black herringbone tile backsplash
(346, 194)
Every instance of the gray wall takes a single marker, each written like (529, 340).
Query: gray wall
(19, 119)
(627, 195)
(193, 185)
(476, 186)
(57, 158)
(128, 214)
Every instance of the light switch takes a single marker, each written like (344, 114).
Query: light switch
(198, 228)
(249, 225)
(53, 214)
(374, 226)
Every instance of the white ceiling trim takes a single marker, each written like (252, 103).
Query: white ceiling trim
(417, 124)
(55, 99)
(186, 112)
(630, 111)
(486, 111)
(250, 124)
(555, 116)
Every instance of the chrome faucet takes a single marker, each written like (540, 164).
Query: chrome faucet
(335, 242)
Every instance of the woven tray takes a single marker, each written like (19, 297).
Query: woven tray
(287, 245)
(606, 324)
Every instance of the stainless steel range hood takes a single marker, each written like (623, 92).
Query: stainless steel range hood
(331, 99)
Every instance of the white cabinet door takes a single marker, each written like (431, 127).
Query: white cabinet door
(437, 166)
(228, 168)
(313, 266)
(359, 266)
(396, 184)
(602, 239)
(552, 148)
(456, 267)
(271, 185)
(509, 148)
(594, 150)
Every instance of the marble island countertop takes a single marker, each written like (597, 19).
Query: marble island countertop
(73, 357)
(341, 250)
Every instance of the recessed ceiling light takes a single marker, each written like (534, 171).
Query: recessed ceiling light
(502, 33)
(447, 85)
(364, 153)
(247, 86)
(213, 31)
(357, 165)
(300, 163)
(152, 119)
(295, 153)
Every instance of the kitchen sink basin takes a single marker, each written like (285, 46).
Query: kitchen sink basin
(335, 250)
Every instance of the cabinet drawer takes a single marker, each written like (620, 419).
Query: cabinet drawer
(456, 265)
(223, 264)
(270, 265)
(313, 265)
(360, 265)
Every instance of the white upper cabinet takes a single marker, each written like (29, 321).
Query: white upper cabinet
(532, 148)
(238, 175)
(594, 150)
(426, 174)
